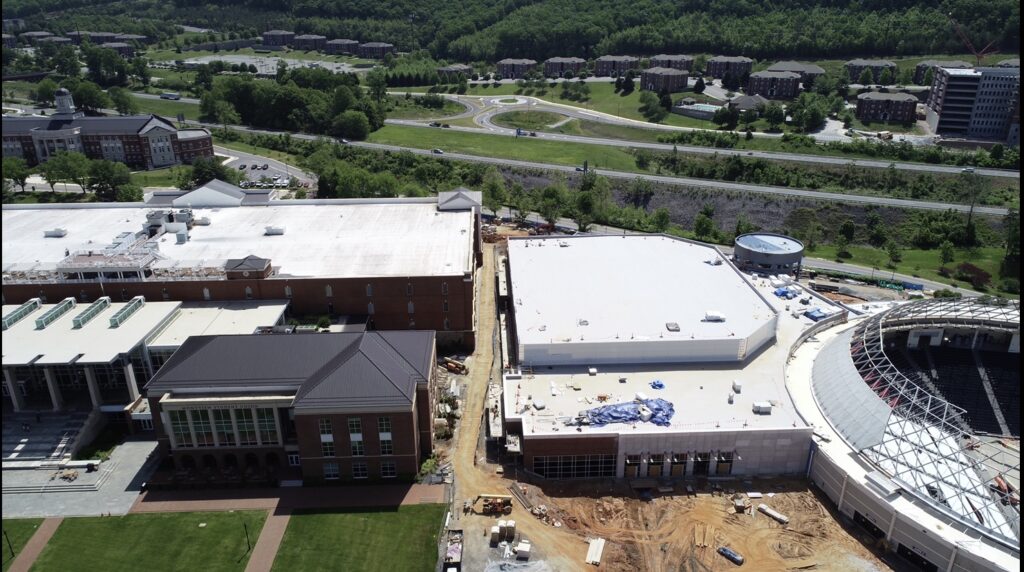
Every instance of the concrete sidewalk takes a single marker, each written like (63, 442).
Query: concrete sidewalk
(35, 545)
(281, 499)
(263, 554)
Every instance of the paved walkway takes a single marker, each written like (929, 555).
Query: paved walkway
(288, 498)
(35, 545)
(263, 554)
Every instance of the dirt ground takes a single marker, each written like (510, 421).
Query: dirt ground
(669, 532)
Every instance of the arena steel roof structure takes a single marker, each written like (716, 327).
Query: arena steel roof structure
(912, 435)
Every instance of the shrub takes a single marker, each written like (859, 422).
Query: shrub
(946, 293)
(1010, 285)
(971, 273)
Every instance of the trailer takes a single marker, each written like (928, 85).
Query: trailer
(453, 551)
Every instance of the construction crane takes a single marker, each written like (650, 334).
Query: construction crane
(978, 54)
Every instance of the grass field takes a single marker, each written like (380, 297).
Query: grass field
(167, 108)
(166, 177)
(883, 126)
(18, 531)
(386, 540)
(920, 263)
(507, 147)
(529, 120)
(165, 541)
(408, 109)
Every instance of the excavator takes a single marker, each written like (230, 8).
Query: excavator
(493, 504)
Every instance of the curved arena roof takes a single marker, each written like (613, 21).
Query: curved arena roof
(913, 436)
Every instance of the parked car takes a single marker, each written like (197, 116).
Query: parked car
(170, 95)
(255, 166)
(445, 125)
(533, 134)
(242, 167)
(435, 124)
(265, 166)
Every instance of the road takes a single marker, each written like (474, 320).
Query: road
(275, 168)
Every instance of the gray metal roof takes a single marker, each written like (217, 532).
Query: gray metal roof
(277, 33)
(310, 37)
(735, 59)
(745, 102)
(564, 60)
(899, 96)
(617, 59)
(251, 262)
(665, 71)
(88, 125)
(679, 57)
(377, 45)
(518, 61)
(778, 74)
(957, 64)
(871, 63)
(359, 370)
(342, 42)
(798, 67)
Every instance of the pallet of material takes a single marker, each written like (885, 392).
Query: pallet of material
(595, 550)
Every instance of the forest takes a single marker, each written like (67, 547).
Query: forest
(485, 30)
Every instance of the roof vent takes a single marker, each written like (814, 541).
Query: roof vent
(672, 326)
(582, 323)
(274, 231)
(55, 233)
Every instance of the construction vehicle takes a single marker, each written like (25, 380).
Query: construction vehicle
(453, 551)
(454, 366)
(494, 504)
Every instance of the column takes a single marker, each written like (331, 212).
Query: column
(277, 425)
(129, 376)
(94, 388)
(256, 424)
(191, 428)
(165, 418)
(842, 493)
(690, 459)
(713, 463)
(51, 384)
(213, 426)
(17, 399)
(892, 526)
(234, 427)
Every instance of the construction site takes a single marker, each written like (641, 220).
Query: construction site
(508, 519)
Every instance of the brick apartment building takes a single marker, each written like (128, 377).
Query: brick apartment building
(376, 50)
(854, 69)
(278, 38)
(921, 69)
(451, 73)
(339, 407)
(55, 40)
(808, 72)
(33, 38)
(342, 46)
(676, 62)
(98, 38)
(736, 66)
(310, 42)
(893, 107)
(664, 79)
(123, 49)
(975, 103)
(140, 141)
(10, 41)
(607, 66)
(515, 68)
(556, 67)
(774, 84)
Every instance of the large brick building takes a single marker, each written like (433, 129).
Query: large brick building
(894, 107)
(515, 68)
(614, 65)
(774, 84)
(676, 62)
(310, 42)
(394, 264)
(278, 38)
(556, 67)
(808, 72)
(123, 49)
(340, 407)
(980, 103)
(140, 141)
(664, 79)
(342, 46)
(921, 69)
(854, 69)
(721, 66)
(375, 50)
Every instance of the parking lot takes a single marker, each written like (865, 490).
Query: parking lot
(276, 174)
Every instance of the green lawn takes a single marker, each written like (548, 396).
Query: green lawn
(261, 151)
(164, 541)
(920, 263)
(17, 531)
(408, 109)
(19, 89)
(166, 177)
(376, 540)
(167, 108)
(884, 126)
(506, 146)
(529, 120)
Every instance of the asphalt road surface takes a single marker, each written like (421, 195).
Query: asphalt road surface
(275, 168)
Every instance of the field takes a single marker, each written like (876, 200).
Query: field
(212, 541)
(507, 147)
(17, 531)
(167, 108)
(375, 540)
(408, 109)
(166, 177)
(529, 120)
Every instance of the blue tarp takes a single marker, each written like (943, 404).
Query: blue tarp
(815, 314)
(785, 293)
(657, 384)
(630, 413)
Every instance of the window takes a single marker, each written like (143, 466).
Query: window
(388, 470)
(575, 466)
(325, 426)
(444, 288)
(224, 428)
(293, 460)
(384, 425)
(359, 471)
(444, 306)
(369, 308)
(387, 447)
(331, 471)
(267, 425)
(328, 291)
(355, 426)
(288, 292)
(248, 293)
(411, 307)
(180, 430)
(201, 425)
(246, 427)
(358, 450)
(206, 293)
(369, 290)
(327, 449)
(408, 289)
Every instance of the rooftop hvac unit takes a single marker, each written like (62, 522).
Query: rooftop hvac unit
(182, 237)
(672, 326)
(762, 407)
(55, 233)
(202, 221)
(274, 230)
(732, 398)
(714, 316)
(737, 386)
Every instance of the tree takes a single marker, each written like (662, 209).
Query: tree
(140, 70)
(866, 77)
(665, 101)
(947, 253)
(67, 167)
(731, 82)
(351, 124)
(842, 246)
(89, 97)
(748, 117)
(893, 250)
(377, 82)
(16, 170)
(639, 193)
(699, 86)
(66, 62)
(44, 91)
(107, 178)
(848, 229)
(123, 100)
(224, 113)
(774, 115)
(660, 220)
(627, 83)
(887, 77)
(726, 116)
(703, 226)
(204, 170)
(929, 76)
(552, 203)
(494, 192)
(519, 201)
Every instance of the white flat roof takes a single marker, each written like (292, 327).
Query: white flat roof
(699, 393)
(625, 288)
(320, 240)
(770, 243)
(96, 342)
(218, 318)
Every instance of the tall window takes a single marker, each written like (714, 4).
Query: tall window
(201, 425)
(384, 425)
(246, 427)
(444, 288)
(359, 471)
(387, 447)
(267, 425)
(369, 289)
(355, 426)
(325, 426)
(224, 428)
(388, 470)
(408, 289)
(331, 471)
(327, 449)
(179, 427)
(358, 450)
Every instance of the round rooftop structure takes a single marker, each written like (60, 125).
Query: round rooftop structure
(768, 252)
